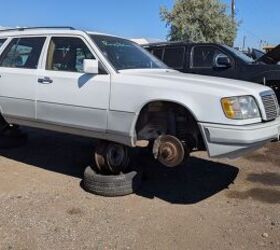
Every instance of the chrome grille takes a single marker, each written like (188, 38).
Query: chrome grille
(271, 106)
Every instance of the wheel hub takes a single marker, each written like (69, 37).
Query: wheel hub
(116, 155)
(111, 158)
(169, 150)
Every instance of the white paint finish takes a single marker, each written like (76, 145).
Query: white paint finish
(83, 91)
(233, 151)
(78, 89)
(19, 85)
(244, 135)
(71, 130)
(121, 123)
(4, 44)
(234, 141)
(17, 107)
(107, 106)
(200, 94)
(91, 66)
(87, 118)
(144, 41)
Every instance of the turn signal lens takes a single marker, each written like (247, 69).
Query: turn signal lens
(228, 108)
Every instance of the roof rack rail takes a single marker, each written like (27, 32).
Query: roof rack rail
(42, 27)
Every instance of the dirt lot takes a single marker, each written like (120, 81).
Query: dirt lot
(202, 205)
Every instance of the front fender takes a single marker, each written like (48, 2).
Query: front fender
(124, 123)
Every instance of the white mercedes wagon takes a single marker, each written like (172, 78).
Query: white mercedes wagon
(109, 88)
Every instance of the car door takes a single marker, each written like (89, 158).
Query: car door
(66, 96)
(203, 61)
(174, 57)
(18, 77)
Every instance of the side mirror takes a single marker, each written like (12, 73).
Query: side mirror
(222, 61)
(91, 66)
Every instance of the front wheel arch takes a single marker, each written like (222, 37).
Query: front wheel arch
(162, 107)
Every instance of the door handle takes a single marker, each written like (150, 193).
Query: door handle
(45, 80)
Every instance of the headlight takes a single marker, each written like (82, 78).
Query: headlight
(240, 107)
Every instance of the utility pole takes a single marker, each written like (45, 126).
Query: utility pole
(244, 43)
(233, 9)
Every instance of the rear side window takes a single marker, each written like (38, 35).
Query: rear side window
(22, 53)
(174, 57)
(67, 54)
(2, 42)
(158, 53)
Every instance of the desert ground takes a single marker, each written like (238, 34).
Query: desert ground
(204, 204)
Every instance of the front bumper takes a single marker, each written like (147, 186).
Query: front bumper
(234, 141)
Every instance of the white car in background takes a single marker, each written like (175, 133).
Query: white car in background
(109, 88)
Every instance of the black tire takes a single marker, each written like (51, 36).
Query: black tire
(111, 185)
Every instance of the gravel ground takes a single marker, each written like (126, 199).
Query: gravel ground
(204, 204)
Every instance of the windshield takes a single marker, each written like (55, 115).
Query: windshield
(240, 55)
(258, 53)
(124, 54)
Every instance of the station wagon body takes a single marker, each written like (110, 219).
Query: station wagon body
(43, 84)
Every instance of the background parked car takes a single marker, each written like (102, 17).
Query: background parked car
(220, 60)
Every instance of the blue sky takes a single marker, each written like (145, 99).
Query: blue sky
(135, 18)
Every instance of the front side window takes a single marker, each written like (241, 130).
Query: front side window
(204, 56)
(2, 42)
(22, 53)
(124, 54)
(174, 57)
(67, 54)
(158, 53)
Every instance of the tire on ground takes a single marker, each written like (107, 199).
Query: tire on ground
(111, 185)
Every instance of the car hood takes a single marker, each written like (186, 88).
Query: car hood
(271, 57)
(185, 81)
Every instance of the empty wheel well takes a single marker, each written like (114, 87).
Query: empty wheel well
(162, 117)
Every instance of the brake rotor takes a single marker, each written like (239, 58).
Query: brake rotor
(111, 158)
(169, 151)
(117, 158)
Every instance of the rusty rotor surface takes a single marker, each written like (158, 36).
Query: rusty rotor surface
(169, 151)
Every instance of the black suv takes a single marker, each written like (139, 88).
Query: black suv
(220, 60)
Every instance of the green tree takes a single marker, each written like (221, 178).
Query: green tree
(200, 21)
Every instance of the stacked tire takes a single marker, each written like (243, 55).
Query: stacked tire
(111, 185)
(111, 174)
